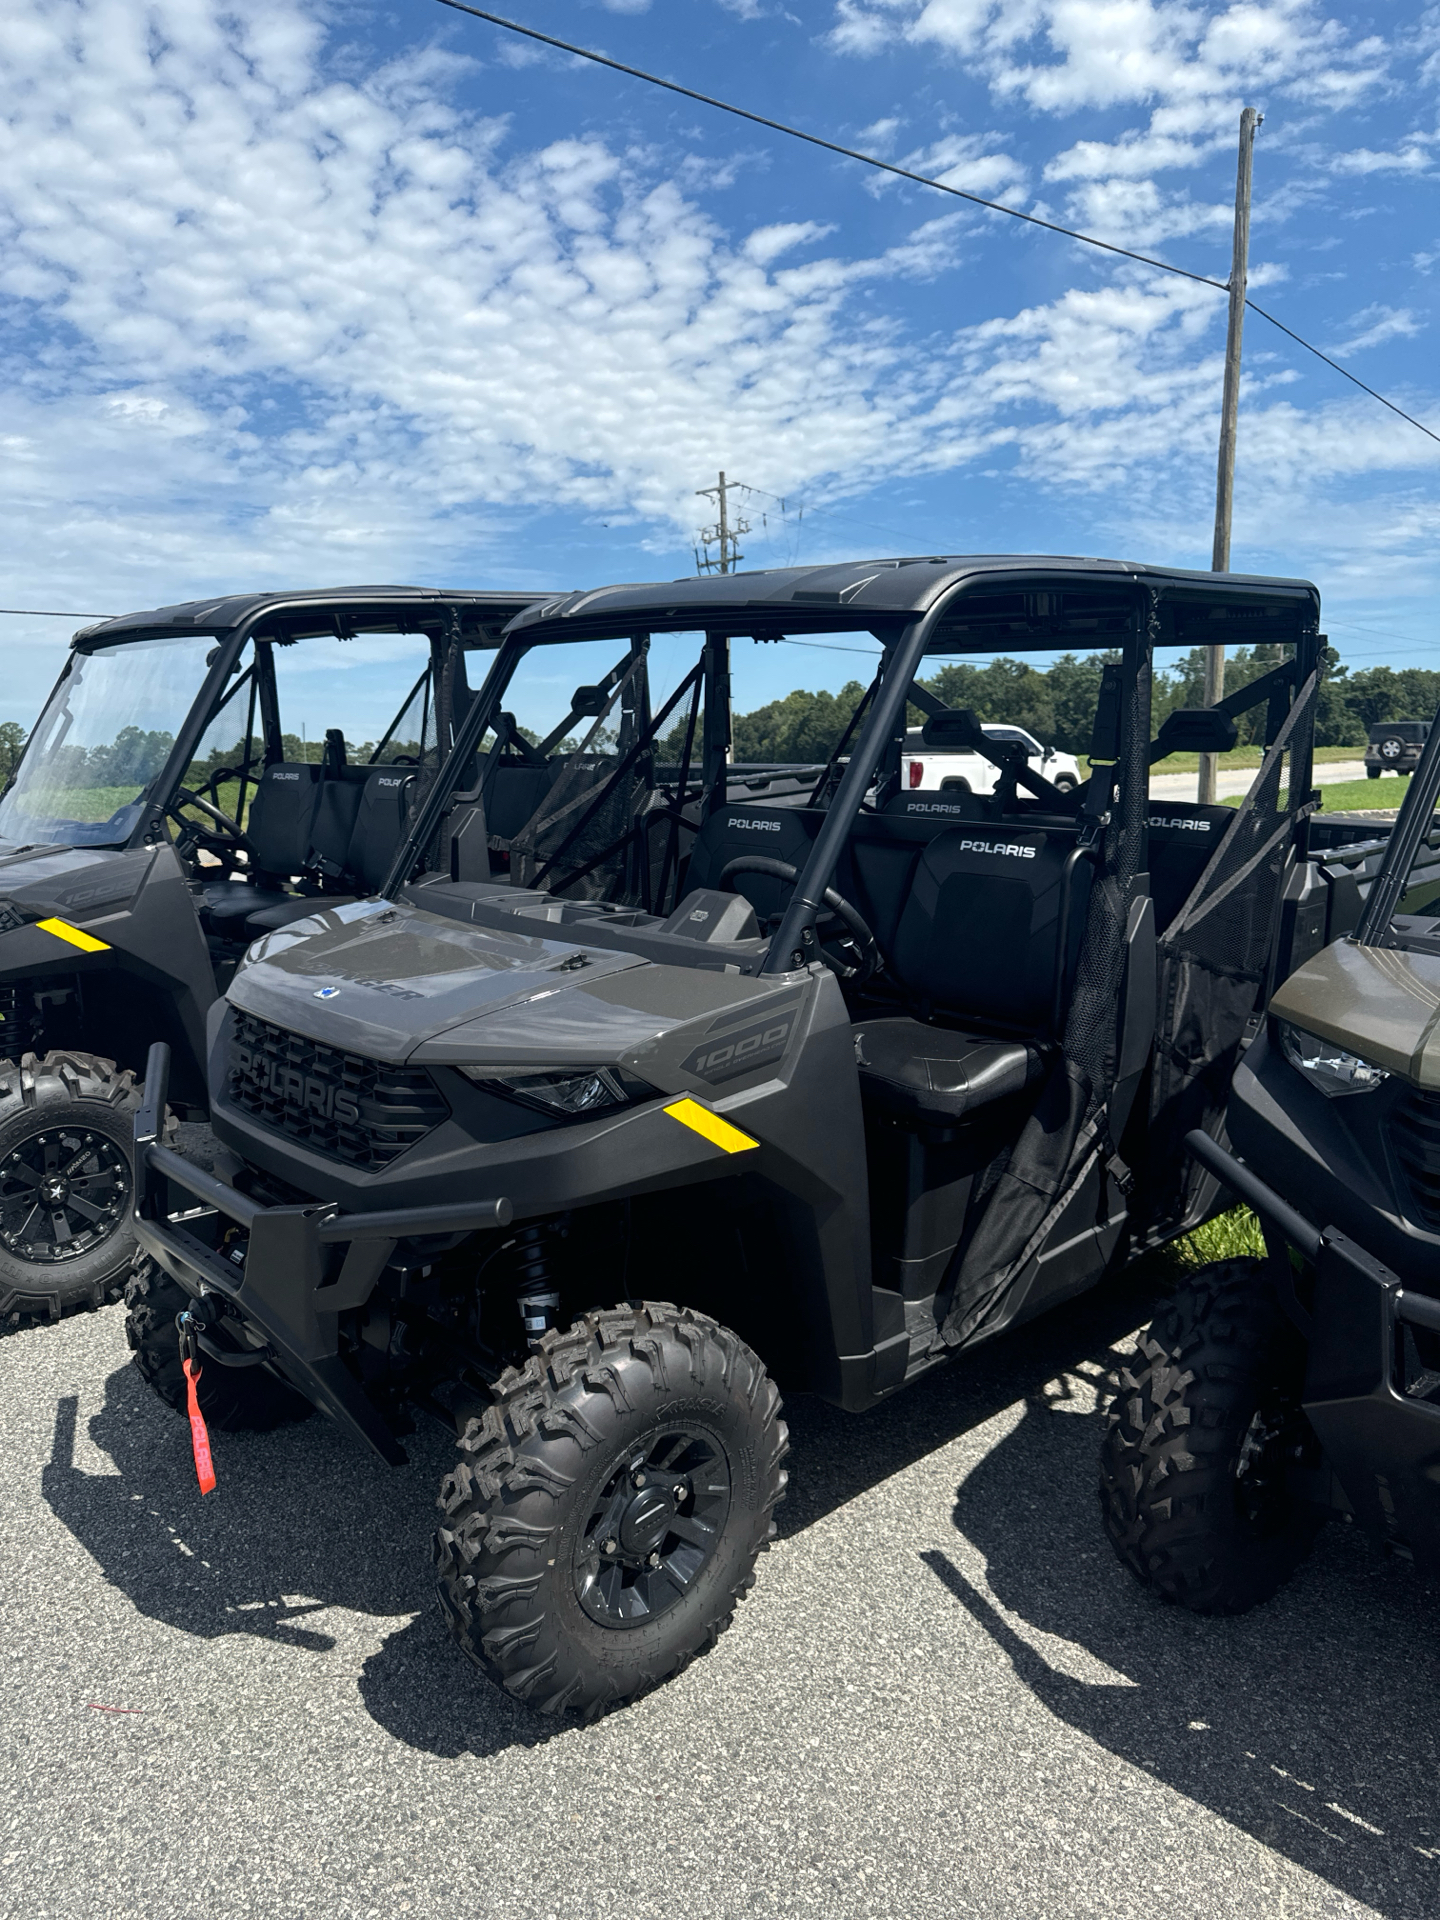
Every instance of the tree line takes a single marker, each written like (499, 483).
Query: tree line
(1057, 703)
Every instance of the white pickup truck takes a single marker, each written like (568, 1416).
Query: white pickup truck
(929, 771)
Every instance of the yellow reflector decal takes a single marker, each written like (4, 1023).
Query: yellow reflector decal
(701, 1120)
(62, 930)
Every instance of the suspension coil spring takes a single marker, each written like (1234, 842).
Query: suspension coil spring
(537, 1294)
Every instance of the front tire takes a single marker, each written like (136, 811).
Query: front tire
(67, 1127)
(1372, 773)
(609, 1508)
(1193, 1470)
(232, 1399)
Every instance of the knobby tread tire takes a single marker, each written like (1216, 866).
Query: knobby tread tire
(232, 1399)
(83, 1089)
(1221, 1351)
(515, 1505)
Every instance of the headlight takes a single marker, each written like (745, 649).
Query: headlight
(573, 1094)
(1326, 1066)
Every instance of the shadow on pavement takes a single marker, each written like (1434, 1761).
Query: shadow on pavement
(1309, 1723)
(300, 1522)
(303, 1520)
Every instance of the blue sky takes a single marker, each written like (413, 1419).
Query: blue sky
(296, 293)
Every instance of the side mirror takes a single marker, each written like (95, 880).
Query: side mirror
(588, 702)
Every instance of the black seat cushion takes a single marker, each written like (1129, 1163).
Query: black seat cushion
(921, 1072)
(227, 903)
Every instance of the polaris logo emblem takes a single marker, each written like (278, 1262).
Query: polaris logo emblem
(998, 847)
(398, 782)
(755, 825)
(326, 993)
(303, 1091)
(284, 776)
(1190, 826)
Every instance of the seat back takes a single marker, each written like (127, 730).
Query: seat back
(380, 817)
(337, 806)
(281, 821)
(1183, 835)
(979, 936)
(776, 833)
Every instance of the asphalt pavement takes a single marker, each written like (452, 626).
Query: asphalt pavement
(944, 1696)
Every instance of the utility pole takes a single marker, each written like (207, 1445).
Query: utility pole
(1229, 416)
(721, 534)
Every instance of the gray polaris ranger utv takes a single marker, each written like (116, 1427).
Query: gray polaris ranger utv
(581, 1136)
(1305, 1386)
(129, 886)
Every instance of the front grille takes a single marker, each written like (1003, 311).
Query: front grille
(356, 1110)
(1415, 1135)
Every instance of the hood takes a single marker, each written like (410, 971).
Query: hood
(72, 882)
(1379, 1002)
(381, 980)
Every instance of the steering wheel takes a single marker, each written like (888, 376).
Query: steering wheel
(227, 843)
(859, 941)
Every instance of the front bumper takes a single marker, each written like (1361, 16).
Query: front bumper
(1382, 1441)
(303, 1266)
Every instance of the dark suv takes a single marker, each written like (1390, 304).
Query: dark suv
(1394, 746)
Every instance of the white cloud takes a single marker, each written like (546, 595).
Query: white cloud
(1063, 54)
(1378, 323)
(296, 327)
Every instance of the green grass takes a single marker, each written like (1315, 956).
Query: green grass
(1230, 1236)
(1346, 796)
(1247, 757)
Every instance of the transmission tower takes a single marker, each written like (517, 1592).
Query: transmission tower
(725, 534)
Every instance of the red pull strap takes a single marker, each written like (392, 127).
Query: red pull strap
(199, 1436)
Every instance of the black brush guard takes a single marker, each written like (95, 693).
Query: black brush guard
(290, 1288)
(1383, 1443)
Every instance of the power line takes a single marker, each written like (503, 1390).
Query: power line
(50, 613)
(922, 180)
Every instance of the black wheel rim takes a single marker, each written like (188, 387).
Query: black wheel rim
(62, 1192)
(1272, 1442)
(653, 1527)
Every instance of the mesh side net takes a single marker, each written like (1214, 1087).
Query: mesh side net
(1066, 1130)
(579, 838)
(1213, 960)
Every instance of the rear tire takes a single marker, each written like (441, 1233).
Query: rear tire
(67, 1127)
(1193, 1487)
(232, 1399)
(610, 1506)
(1372, 773)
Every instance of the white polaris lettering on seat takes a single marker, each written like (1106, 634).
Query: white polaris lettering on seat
(756, 826)
(1190, 826)
(281, 774)
(1011, 847)
(396, 781)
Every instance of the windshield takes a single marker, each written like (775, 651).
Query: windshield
(106, 733)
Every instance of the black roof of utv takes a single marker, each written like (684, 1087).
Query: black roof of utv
(1021, 600)
(308, 611)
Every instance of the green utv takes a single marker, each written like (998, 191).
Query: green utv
(587, 1135)
(1305, 1386)
(187, 786)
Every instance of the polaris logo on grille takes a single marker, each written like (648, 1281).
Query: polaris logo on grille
(755, 826)
(302, 1090)
(997, 847)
